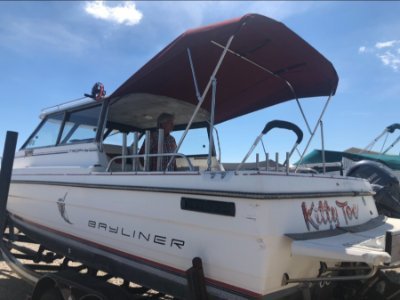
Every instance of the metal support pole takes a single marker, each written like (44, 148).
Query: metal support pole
(391, 145)
(5, 175)
(276, 161)
(135, 146)
(289, 154)
(196, 87)
(147, 151)
(273, 74)
(370, 145)
(203, 96)
(323, 147)
(286, 280)
(257, 161)
(257, 140)
(124, 151)
(211, 142)
(313, 133)
(287, 163)
(160, 148)
(304, 116)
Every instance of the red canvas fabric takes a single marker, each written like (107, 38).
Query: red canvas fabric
(242, 87)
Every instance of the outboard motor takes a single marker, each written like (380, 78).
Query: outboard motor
(385, 184)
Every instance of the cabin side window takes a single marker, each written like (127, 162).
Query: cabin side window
(46, 135)
(81, 126)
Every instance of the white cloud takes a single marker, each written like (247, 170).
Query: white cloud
(386, 53)
(391, 60)
(125, 13)
(387, 44)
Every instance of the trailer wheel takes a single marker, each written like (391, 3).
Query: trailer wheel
(51, 294)
(90, 297)
(386, 185)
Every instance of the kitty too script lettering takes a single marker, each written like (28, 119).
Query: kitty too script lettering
(324, 213)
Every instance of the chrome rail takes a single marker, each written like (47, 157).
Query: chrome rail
(286, 280)
(313, 132)
(144, 156)
(372, 271)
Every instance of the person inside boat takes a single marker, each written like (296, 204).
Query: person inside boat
(164, 121)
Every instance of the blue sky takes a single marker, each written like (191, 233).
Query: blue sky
(52, 52)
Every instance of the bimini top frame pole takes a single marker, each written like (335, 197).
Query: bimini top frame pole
(203, 96)
(387, 130)
(313, 132)
(276, 76)
(260, 40)
(194, 75)
(391, 145)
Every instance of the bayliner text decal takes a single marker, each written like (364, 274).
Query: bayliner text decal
(324, 213)
(137, 234)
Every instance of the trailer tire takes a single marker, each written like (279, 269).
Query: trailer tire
(385, 183)
(90, 297)
(51, 294)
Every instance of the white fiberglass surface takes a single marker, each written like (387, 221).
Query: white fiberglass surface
(367, 246)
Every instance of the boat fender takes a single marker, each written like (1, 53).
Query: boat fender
(384, 182)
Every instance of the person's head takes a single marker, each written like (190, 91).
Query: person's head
(166, 122)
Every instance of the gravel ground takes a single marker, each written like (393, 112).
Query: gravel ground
(12, 287)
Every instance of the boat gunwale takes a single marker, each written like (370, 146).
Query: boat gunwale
(202, 192)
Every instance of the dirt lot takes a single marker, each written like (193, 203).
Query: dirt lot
(12, 287)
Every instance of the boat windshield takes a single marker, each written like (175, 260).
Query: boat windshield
(67, 127)
(47, 132)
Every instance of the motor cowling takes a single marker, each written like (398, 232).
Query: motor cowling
(385, 184)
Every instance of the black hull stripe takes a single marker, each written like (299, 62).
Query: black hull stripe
(230, 194)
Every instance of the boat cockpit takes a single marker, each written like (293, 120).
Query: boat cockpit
(113, 131)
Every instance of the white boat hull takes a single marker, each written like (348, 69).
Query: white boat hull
(244, 251)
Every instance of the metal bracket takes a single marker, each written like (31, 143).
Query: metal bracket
(286, 279)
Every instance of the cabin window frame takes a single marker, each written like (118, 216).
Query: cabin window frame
(67, 116)
(37, 130)
(66, 113)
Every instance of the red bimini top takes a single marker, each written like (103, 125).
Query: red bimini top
(263, 58)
